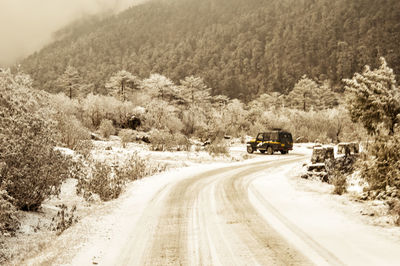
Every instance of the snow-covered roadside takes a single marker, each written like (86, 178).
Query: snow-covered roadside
(332, 228)
(34, 236)
(107, 222)
(113, 151)
(101, 224)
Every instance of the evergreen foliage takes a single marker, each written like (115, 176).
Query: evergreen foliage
(69, 82)
(374, 98)
(307, 95)
(382, 169)
(160, 87)
(120, 83)
(241, 48)
(31, 169)
(194, 91)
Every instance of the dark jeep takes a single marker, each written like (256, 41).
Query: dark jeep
(271, 141)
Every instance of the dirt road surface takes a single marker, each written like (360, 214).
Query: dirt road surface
(242, 214)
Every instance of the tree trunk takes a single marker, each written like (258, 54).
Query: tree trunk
(70, 91)
(122, 90)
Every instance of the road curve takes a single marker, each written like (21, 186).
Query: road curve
(208, 219)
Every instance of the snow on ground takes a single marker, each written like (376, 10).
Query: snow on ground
(113, 151)
(333, 222)
(97, 220)
(97, 228)
(35, 232)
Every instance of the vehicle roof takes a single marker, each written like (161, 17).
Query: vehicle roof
(282, 131)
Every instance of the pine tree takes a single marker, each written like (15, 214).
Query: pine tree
(159, 86)
(120, 82)
(308, 94)
(304, 94)
(194, 90)
(70, 82)
(374, 98)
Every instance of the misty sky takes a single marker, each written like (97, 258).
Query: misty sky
(27, 25)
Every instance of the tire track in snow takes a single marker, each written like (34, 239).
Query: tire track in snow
(209, 220)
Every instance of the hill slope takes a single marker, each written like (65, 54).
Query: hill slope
(240, 47)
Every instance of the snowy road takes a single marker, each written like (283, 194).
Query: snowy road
(208, 220)
(245, 214)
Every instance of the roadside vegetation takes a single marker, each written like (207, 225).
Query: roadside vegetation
(37, 127)
(186, 87)
(374, 101)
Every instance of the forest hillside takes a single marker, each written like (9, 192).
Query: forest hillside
(241, 48)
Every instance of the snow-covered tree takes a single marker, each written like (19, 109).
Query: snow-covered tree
(374, 98)
(304, 94)
(159, 86)
(308, 94)
(120, 82)
(30, 168)
(194, 90)
(70, 81)
(268, 100)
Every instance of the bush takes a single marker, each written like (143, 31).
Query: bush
(32, 170)
(64, 219)
(103, 182)
(70, 130)
(394, 208)
(108, 182)
(161, 115)
(137, 167)
(106, 128)
(340, 183)
(161, 140)
(98, 107)
(127, 135)
(381, 169)
(84, 147)
(181, 142)
(8, 219)
(218, 148)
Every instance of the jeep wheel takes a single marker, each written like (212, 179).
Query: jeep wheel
(270, 151)
(284, 152)
(262, 151)
(250, 149)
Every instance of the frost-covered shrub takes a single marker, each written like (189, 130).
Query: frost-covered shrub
(394, 209)
(61, 103)
(102, 181)
(161, 140)
(84, 147)
(218, 148)
(70, 130)
(8, 219)
(373, 98)
(339, 182)
(98, 107)
(181, 142)
(32, 169)
(108, 182)
(137, 167)
(127, 135)
(382, 167)
(64, 219)
(161, 115)
(106, 128)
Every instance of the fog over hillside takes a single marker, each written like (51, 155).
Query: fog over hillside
(27, 25)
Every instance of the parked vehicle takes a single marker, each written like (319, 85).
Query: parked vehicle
(271, 141)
